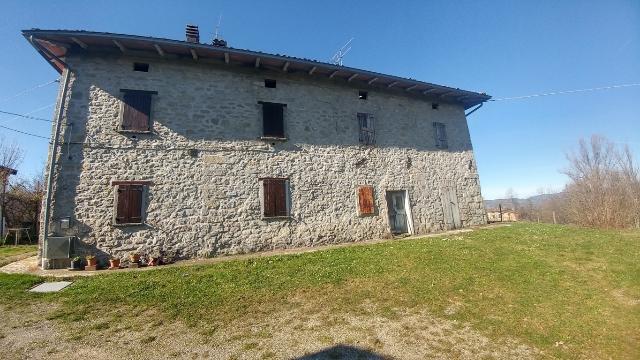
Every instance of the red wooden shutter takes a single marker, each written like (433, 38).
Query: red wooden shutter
(137, 111)
(365, 200)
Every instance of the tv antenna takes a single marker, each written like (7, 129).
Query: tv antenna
(218, 26)
(337, 57)
(217, 41)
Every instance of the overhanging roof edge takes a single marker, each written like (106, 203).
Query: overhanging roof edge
(479, 97)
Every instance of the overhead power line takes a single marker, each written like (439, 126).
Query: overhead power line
(28, 90)
(24, 132)
(27, 116)
(566, 92)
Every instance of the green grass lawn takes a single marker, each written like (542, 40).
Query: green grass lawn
(568, 291)
(10, 253)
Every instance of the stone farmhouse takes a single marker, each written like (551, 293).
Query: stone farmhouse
(203, 149)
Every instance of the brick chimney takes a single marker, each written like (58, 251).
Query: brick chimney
(193, 34)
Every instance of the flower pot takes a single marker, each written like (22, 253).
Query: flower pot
(92, 262)
(134, 258)
(76, 264)
(114, 263)
(154, 261)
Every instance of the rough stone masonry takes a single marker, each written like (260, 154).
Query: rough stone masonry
(204, 157)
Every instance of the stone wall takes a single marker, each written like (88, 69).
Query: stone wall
(206, 202)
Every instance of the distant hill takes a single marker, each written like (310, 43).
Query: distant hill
(508, 204)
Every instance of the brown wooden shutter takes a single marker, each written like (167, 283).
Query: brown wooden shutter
(365, 200)
(275, 197)
(122, 210)
(135, 204)
(129, 207)
(137, 111)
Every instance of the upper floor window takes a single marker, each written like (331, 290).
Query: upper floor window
(441, 135)
(270, 83)
(367, 133)
(136, 110)
(273, 119)
(362, 95)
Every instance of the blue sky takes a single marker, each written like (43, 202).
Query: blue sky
(505, 48)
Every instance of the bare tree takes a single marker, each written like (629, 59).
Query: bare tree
(605, 187)
(10, 153)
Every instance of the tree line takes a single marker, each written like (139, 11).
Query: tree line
(603, 189)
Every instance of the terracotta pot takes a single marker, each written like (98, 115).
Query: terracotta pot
(114, 263)
(134, 258)
(92, 262)
(154, 261)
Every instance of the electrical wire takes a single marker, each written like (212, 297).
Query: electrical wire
(27, 91)
(565, 92)
(27, 116)
(24, 132)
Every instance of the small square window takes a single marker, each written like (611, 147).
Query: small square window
(269, 83)
(435, 106)
(362, 95)
(144, 67)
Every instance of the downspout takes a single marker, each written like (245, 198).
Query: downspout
(46, 213)
(474, 110)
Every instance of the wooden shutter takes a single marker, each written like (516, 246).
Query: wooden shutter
(129, 206)
(275, 197)
(441, 135)
(273, 119)
(366, 202)
(367, 134)
(137, 111)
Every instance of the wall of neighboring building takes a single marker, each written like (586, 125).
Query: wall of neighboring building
(208, 203)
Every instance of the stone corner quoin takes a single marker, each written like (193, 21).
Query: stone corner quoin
(206, 173)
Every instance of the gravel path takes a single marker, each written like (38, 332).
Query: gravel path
(294, 334)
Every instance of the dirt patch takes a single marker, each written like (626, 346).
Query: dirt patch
(28, 333)
(624, 299)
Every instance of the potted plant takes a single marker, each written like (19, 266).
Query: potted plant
(154, 259)
(134, 257)
(114, 263)
(76, 263)
(91, 260)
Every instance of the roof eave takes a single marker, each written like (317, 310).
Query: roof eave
(467, 98)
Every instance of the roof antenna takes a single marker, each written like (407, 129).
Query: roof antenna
(337, 57)
(217, 41)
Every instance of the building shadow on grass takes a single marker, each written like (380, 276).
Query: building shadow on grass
(343, 352)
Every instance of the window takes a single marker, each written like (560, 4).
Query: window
(275, 200)
(143, 67)
(367, 133)
(273, 120)
(269, 83)
(441, 135)
(435, 106)
(129, 203)
(366, 203)
(362, 95)
(136, 110)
